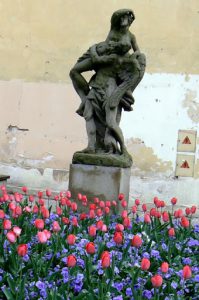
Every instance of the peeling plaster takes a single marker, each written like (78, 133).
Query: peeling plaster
(145, 160)
(192, 104)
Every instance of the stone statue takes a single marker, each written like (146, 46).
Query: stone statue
(119, 66)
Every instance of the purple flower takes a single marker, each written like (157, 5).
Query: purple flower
(118, 286)
(193, 243)
(129, 292)
(40, 285)
(155, 253)
(186, 261)
(174, 285)
(118, 298)
(147, 294)
(196, 278)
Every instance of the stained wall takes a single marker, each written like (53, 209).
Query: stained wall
(39, 43)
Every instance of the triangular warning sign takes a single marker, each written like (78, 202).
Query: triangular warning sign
(186, 140)
(185, 165)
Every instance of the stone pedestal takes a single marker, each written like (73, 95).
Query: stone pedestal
(99, 181)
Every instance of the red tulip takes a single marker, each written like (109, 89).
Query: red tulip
(83, 216)
(108, 203)
(102, 204)
(24, 189)
(184, 222)
(186, 272)
(39, 224)
(136, 241)
(144, 207)
(118, 237)
(40, 194)
(99, 224)
(35, 209)
(2, 214)
(164, 267)
(42, 237)
(121, 196)
(92, 230)
(79, 196)
(22, 249)
(188, 211)
(59, 211)
(55, 226)
(137, 202)
(99, 212)
(147, 218)
(65, 220)
(48, 193)
(71, 238)
(162, 203)
(134, 209)
(74, 206)
(74, 221)
(104, 228)
(12, 206)
(165, 216)
(126, 222)
(90, 248)
(71, 261)
(173, 201)
(68, 194)
(96, 200)
(17, 230)
(105, 259)
(7, 224)
(91, 214)
(171, 231)
(114, 203)
(124, 203)
(124, 214)
(193, 209)
(41, 202)
(18, 210)
(11, 236)
(107, 210)
(31, 198)
(119, 227)
(145, 264)
(156, 280)
(153, 212)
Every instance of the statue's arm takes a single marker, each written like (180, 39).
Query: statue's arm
(134, 44)
(101, 59)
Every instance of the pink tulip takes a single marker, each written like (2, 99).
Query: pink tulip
(42, 237)
(17, 230)
(11, 236)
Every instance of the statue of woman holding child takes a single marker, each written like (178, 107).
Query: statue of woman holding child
(119, 66)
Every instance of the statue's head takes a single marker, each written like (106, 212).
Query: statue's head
(122, 18)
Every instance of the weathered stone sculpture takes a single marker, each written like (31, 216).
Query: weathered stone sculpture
(119, 66)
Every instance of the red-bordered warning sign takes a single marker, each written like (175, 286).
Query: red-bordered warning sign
(186, 141)
(185, 165)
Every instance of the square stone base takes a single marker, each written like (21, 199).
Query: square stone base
(99, 181)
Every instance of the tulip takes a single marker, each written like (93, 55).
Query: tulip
(91, 214)
(92, 206)
(90, 248)
(186, 272)
(17, 230)
(11, 236)
(145, 264)
(48, 193)
(22, 249)
(12, 206)
(74, 221)
(124, 203)
(68, 194)
(18, 210)
(27, 209)
(171, 231)
(162, 203)
(102, 204)
(56, 227)
(7, 224)
(165, 216)
(83, 216)
(99, 224)
(137, 202)
(92, 230)
(118, 237)
(99, 212)
(153, 212)
(121, 196)
(63, 201)
(134, 209)
(104, 228)
(156, 281)
(119, 227)
(71, 261)
(35, 209)
(65, 220)
(40, 194)
(147, 218)
(126, 222)
(105, 259)
(193, 209)
(164, 267)
(42, 237)
(114, 203)
(108, 203)
(188, 211)
(45, 212)
(41, 202)
(31, 198)
(71, 238)
(47, 233)
(59, 211)
(74, 206)
(124, 214)
(2, 214)
(136, 241)
(79, 196)
(24, 189)
(107, 210)
(173, 201)
(39, 224)
(184, 222)
(144, 207)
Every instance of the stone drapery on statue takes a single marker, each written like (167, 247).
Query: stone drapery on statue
(118, 67)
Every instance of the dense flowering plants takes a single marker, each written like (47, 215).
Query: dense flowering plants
(63, 253)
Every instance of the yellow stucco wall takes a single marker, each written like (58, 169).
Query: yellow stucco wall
(40, 40)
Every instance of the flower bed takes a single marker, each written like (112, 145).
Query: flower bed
(67, 254)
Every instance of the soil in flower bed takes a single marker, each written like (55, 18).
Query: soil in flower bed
(98, 254)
